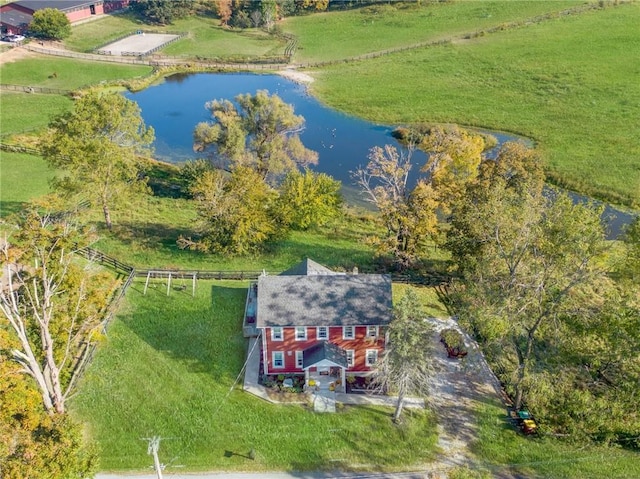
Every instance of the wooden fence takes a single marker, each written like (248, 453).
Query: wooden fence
(88, 350)
(20, 149)
(105, 260)
(33, 89)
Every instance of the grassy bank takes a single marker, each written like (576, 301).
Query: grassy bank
(500, 447)
(167, 368)
(145, 236)
(569, 83)
(340, 34)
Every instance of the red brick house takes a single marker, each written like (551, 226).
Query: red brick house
(320, 323)
(16, 16)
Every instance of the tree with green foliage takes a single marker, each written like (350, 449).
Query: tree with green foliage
(406, 364)
(411, 216)
(261, 132)
(631, 266)
(309, 199)
(50, 23)
(162, 12)
(588, 387)
(518, 174)
(51, 304)
(535, 262)
(98, 146)
(237, 211)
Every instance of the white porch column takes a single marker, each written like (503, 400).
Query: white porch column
(343, 378)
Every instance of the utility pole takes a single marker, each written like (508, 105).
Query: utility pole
(154, 445)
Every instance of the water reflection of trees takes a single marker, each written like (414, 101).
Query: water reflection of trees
(177, 77)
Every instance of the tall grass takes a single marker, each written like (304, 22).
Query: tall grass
(570, 84)
(167, 369)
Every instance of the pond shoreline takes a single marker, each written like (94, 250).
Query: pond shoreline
(174, 106)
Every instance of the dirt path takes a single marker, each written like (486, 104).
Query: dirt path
(457, 387)
(15, 54)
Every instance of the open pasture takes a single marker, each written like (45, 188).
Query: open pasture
(569, 83)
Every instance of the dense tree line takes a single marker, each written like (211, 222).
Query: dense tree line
(239, 13)
(536, 281)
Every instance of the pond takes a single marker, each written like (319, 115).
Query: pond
(175, 106)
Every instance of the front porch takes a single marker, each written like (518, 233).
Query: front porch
(325, 378)
(324, 367)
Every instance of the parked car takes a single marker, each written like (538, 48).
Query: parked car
(13, 38)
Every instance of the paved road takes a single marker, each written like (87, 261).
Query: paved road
(271, 475)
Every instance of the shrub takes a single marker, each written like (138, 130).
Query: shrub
(50, 23)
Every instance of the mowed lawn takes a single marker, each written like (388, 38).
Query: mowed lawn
(167, 368)
(67, 73)
(341, 34)
(500, 446)
(22, 178)
(570, 83)
(29, 112)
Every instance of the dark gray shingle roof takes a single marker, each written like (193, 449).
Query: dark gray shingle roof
(307, 267)
(324, 350)
(324, 300)
(15, 18)
(57, 4)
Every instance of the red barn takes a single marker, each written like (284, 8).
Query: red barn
(320, 323)
(17, 16)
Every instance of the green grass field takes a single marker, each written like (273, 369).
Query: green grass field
(22, 178)
(145, 236)
(168, 363)
(70, 74)
(337, 35)
(167, 368)
(569, 83)
(206, 38)
(29, 112)
(500, 447)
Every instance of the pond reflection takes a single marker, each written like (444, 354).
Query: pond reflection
(177, 105)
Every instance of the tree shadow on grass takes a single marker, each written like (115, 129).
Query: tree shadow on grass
(149, 235)
(204, 336)
(8, 208)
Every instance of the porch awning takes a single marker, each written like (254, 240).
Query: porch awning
(324, 352)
